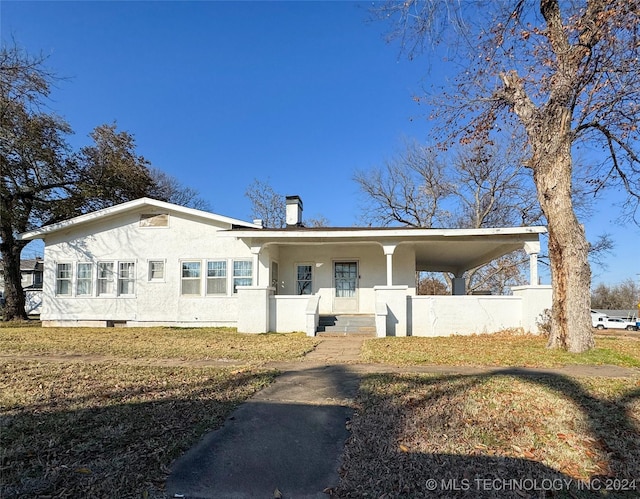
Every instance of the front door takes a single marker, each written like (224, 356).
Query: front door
(345, 281)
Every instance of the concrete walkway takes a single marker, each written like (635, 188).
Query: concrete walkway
(287, 440)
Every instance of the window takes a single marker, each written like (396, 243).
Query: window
(217, 277)
(126, 278)
(153, 220)
(63, 279)
(84, 279)
(105, 278)
(242, 274)
(346, 276)
(304, 280)
(191, 278)
(156, 270)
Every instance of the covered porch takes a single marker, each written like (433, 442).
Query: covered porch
(304, 273)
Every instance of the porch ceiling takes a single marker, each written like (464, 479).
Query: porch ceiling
(437, 250)
(457, 256)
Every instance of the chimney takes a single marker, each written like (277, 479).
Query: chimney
(294, 211)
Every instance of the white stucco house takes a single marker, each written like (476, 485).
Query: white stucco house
(151, 263)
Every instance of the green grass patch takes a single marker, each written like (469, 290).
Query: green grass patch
(496, 350)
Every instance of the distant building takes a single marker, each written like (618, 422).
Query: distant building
(620, 314)
(31, 272)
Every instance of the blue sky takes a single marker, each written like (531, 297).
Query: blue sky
(300, 94)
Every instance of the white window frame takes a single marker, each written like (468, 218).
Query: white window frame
(190, 279)
(298, 280)
(340, 292)
(150, 277)
(221, 278)
(126, 275)
(111, 282)
(80, 279)
(67, 278)
(237, 277)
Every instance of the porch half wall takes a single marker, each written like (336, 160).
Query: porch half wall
(465, 315)
(399, 313)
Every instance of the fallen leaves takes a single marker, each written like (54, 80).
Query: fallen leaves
(410, 428)
(97, 430)
(509, 348)
(144, 344)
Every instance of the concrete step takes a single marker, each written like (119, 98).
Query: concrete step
(347, 324)
(354, 328)
(359, 334)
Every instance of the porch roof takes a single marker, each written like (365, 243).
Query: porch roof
(443, 250)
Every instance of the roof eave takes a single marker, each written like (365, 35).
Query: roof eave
(124, 207)
(384, 233)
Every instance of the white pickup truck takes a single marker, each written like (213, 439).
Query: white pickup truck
(604, 322)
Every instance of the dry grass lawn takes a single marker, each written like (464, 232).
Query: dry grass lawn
(504, 349)
(155, 343)
(111, 429)
(493, 436)
(97, 430)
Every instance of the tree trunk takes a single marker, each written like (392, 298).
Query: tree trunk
(568, 247)
(10, 249)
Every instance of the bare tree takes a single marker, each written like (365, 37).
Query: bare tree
(168, 188)
(483, 185)
(431, 283)
(270, 207)
(410, 189)
(491, 188)
(317, 221)
(266, 204)
(473, 186)
(565, 74)
(622, 296)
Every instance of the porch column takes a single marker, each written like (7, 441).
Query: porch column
(459, 286)
(388, 251)
(255, 251)
(533, 248)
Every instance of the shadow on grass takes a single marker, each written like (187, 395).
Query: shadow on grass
(117, 442)
(288, 437)
(379, 460)
(124, 449)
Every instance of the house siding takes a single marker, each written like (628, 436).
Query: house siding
(372, 270)
(153, 302)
